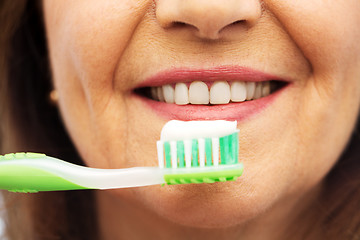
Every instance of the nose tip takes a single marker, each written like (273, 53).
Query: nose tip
(207, 18)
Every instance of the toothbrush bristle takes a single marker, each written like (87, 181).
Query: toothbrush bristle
(202, 152)
(187, 148)
(160, 152)
(201, 142)
(174, 157)
(215, 147)
(194, 153)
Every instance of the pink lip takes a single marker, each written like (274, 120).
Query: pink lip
(222, 73)
(232, 111)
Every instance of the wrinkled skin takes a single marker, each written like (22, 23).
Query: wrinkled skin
(101, 50)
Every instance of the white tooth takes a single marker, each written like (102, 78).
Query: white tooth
(168, 92)
(238, 91)
(258, 90)
(250, 90)
(198, 93)
(220, 93)
(266, 89)
(154, 94)
(160, 94)
(181, 94)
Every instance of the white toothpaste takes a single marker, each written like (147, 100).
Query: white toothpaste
(176, 130)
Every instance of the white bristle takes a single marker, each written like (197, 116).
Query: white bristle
(201, 152)
(215, 151)
(173, 151)
(187, 148)
(160, 152)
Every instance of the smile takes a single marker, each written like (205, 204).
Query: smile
(204, 93)
(231, 93)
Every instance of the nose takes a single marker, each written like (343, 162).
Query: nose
(207, 18)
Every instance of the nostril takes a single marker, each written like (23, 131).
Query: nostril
(179, 24)
(238, 22)
(235, 24)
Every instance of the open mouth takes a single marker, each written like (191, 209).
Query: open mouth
(225, 92)
(210, 93)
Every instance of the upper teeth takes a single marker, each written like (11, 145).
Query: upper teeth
(221, 92)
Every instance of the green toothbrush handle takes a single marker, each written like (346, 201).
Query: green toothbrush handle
(30, 180)
(27, 179)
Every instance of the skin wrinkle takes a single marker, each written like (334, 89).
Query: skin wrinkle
(320, 90)
(126, 45)
(283, 27)
(287, 149)
(284, 17)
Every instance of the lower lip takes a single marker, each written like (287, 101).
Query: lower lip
(231, 112)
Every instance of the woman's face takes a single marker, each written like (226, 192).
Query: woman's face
(102, 51)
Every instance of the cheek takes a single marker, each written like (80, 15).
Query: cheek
(328, 37)
(328, 100)
(86, 40)
(325, 33)
(93, 40)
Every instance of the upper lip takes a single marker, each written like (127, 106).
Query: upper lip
(220, 73)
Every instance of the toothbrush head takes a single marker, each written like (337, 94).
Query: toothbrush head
(199, 152)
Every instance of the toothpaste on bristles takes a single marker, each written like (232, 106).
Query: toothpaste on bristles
(200, 151)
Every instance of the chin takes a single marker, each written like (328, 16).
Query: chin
(217, 205)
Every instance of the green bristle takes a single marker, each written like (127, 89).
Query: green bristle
(208, 152)
(236, 147)
(231, 159)
(232, 149)
(222, 152)
(194, 153)
(167, 155)
(180, 153)
(224, 149)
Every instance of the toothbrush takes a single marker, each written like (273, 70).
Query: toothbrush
(188, 152)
